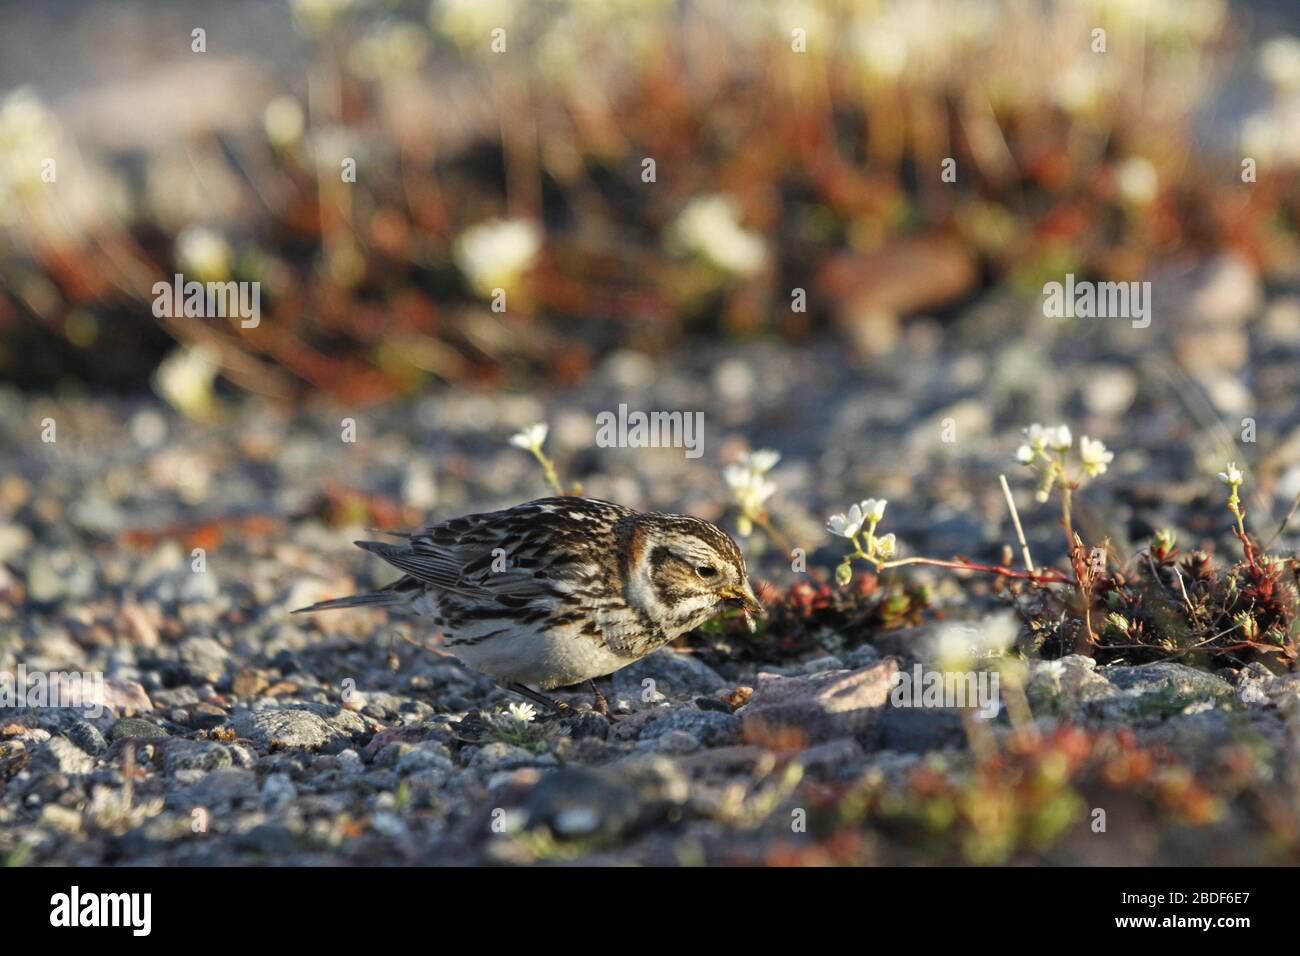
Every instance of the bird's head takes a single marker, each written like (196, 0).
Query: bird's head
(681, 571)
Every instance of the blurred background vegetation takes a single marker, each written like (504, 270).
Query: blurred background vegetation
(774, 170)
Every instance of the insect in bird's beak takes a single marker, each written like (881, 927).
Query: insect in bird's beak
(749, 604)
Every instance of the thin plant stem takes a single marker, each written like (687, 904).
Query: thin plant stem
(1015, 521)
(548, 471)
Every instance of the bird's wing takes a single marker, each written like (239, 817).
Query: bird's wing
(536, 550)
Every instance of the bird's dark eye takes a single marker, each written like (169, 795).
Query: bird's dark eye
(705, 571)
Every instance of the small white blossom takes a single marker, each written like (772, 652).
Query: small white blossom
(203, 253)
(1053, 669)
(1095, 456)
(1279, 62)
(710, 227)
(761, 461)
(1037, 436)
(1232, 476)
(846, 525)
(523, 713)
(493, 255)
(1059, 438)
(873, 509)
(749, 489)
(1025, 455)
(886, 546)
(531, 437)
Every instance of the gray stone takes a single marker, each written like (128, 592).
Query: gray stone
(820, 707)
(1152, 692)
(864, 655)
(135, 727)
(676, 676)
(498, 756)
(1062, 686)
(204, 657)
(425, 756)
(707, 727)
(278, 792)
(218, 789)
(87, 736)
(1168, 676)
(65, 756)
(284, 729)
(55, 576)
(195, 755)
(917, 730)
(606, 803)
(676, 742)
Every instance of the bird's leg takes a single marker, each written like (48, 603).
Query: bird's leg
(601, 705)
(559, 706)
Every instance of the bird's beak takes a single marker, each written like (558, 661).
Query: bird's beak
(744, 595)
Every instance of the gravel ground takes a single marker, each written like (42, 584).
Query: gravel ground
(231, 732)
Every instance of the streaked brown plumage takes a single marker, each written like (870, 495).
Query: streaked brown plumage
(561, 590)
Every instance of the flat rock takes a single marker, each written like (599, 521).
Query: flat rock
(607, 803)
(135, 727)
(284, 729)
(821, 706)
(676, 676)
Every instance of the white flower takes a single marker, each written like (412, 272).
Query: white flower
(185, 379)
(873, 509)
(28, 135)
(1026, 455)
(1279, 62)
(1052, 670)
(1138, 180)
(749, 489)
(710, 227)
(1232, 476)
(523, 713)
(760, 462)
(493, 255)
(470, 22)
(886, 546)
(846, 525)
(283, 121)
(531, 437)
(203, 252)
(1059, 438)
(1037, 437)
(1095, 456)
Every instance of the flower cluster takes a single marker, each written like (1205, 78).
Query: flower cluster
(1044, 450)
(750, 486)
(1233, 479)
(858, 524)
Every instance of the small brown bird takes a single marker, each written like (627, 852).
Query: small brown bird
(562, 590)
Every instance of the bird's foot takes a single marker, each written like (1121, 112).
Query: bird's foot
(600, 705)
(559, 707)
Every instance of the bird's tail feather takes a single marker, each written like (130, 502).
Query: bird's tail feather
(399, 592)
